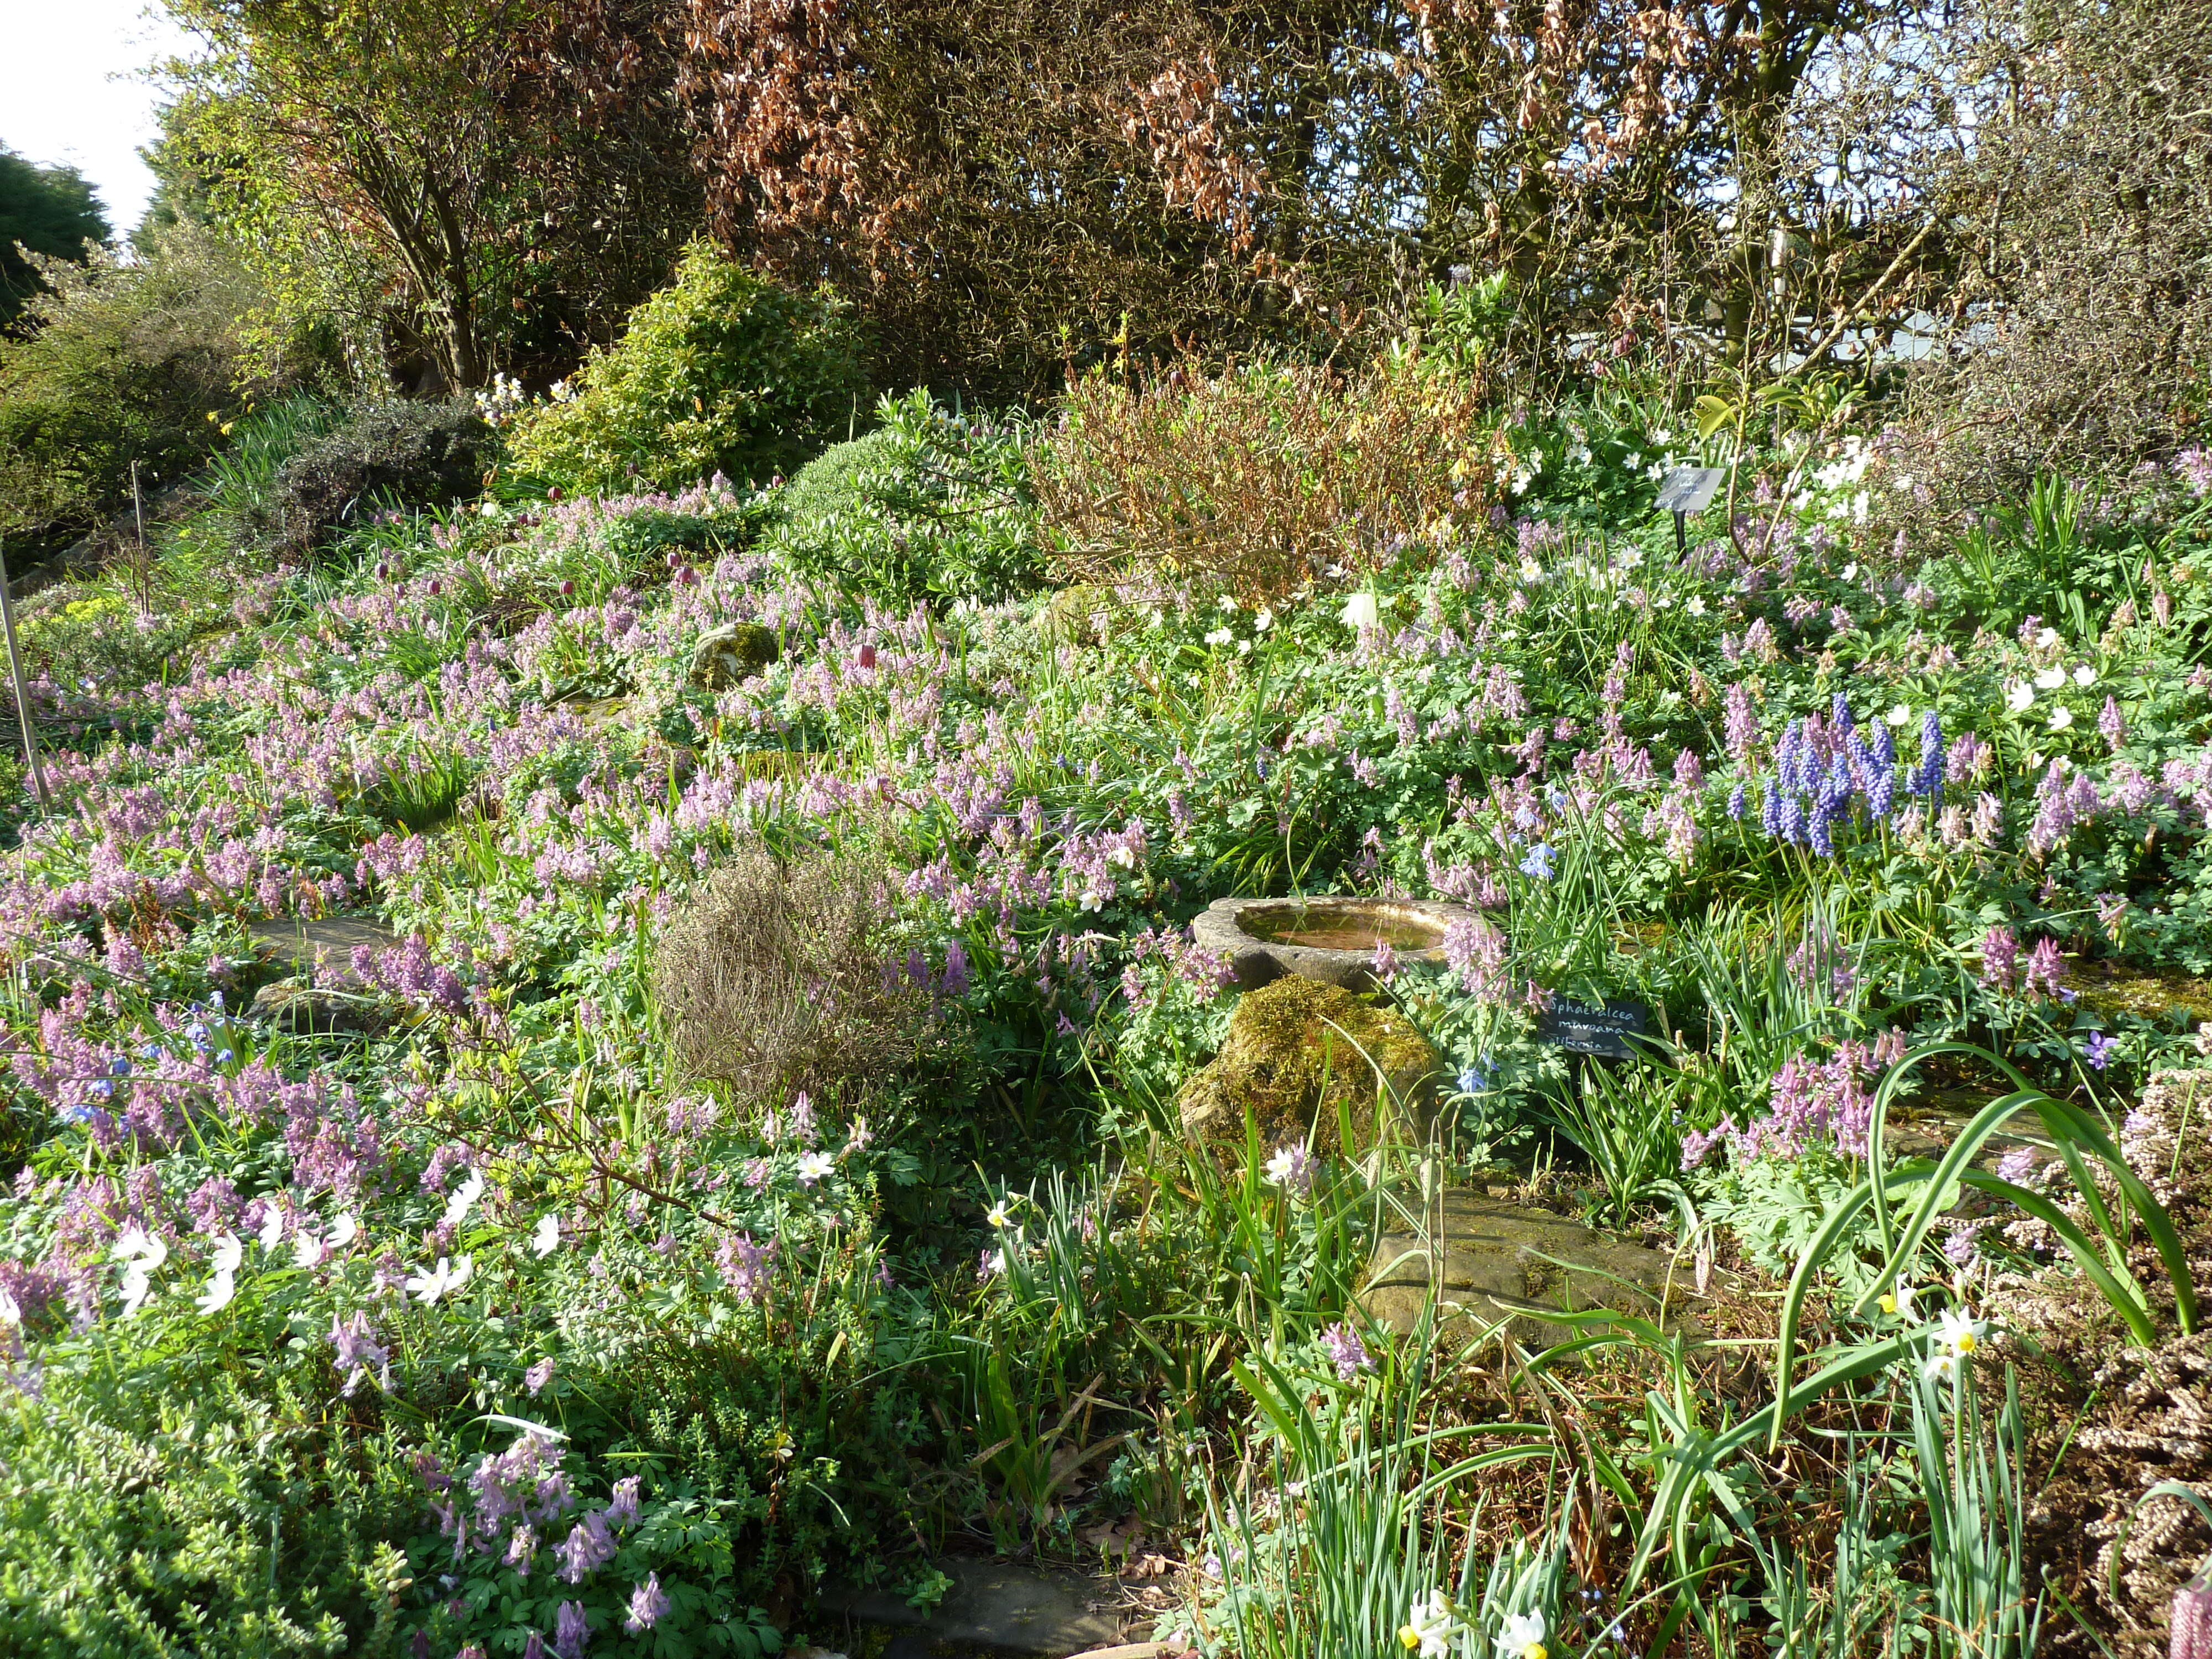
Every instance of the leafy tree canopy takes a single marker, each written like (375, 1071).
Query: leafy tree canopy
(50, 210)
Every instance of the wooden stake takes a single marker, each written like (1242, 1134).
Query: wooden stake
(22, 694)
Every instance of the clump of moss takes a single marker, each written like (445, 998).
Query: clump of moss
(1301, 1055)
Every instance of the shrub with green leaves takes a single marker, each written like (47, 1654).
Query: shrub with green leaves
(721, 372)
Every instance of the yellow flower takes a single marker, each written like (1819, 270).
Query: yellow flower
(1408, 1637)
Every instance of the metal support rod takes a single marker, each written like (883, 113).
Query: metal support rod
(22, 693)
(1681, 536)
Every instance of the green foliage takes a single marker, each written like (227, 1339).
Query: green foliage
(124, 363)
(50, 210)
(723, 371)
(935, 504)
(177, 1508)
(382, 456)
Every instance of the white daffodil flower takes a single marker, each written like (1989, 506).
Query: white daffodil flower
(2085, 675)
(1899, 1300)
(344, 1231)
(2049, 679)
(463, 1199)
(1523, 1637)
(547, 1239)
(1362, 612)
(1000, 1216)
(2020, 697)
(1958, 1334)
(1432, 1630)
(441, 1280)
(272, 1228)
(2061, 719)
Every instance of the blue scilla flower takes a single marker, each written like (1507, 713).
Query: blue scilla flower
(103, 1088)
(1735, 801)
(78, 1113)
(1525, 816)
(120, 1066)
(1793, 820)
(1885, 745)
(1770, 810)
(1538, 865)
(1474, 1079)
(1839, 712)
(224, 1056)
(2097, 1050)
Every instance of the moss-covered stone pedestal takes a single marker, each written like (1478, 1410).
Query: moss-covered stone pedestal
(1303, 1056)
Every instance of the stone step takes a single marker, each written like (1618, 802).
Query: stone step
(1482, 1261)
(993, 1607)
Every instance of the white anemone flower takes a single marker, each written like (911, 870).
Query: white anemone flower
(463, 1199)
(441, 1280)
(344, 1231)
(137, 1286)
(307, 1250)
(2020, 697)
(1361, 612)
(2049, 679)
(1523, 1637)
(1958, 1334)
(228, 1254)
(2046, 639)
(814, 1166)
(547, 1239)
(1900, 715)
(11, 1311)
(2061, 719)
(221, 1287)
(137, 1248)
(272, 1228)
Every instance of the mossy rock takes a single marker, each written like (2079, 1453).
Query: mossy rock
(732, 652)
(1088, 613)
(1302, 1055)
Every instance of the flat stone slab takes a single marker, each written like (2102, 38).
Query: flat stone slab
(993, 1607)
(1482, 1261)
(322, 948)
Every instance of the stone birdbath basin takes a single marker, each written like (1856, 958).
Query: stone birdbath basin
(1331, 939)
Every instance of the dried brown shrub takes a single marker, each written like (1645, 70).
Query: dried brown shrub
(774, 978)
(2127, 1418)
(1259, 480)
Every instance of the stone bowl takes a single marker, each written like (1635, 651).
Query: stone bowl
(1329, 938)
